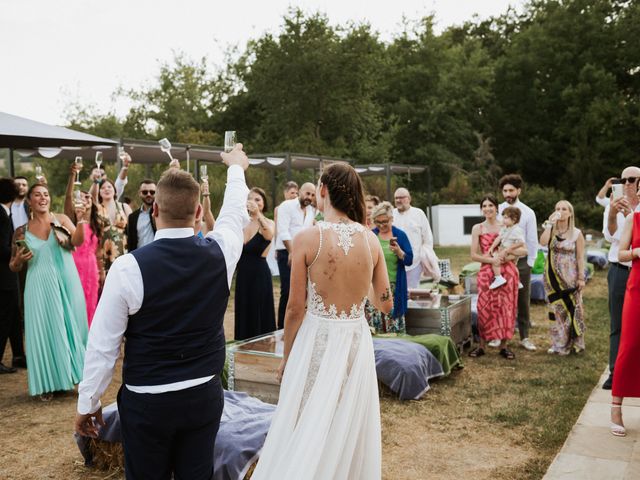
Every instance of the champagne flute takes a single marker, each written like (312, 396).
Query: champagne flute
(203, 173)
(78, 162)
(38, 170)
(229, 140)
(98, 159)
(77, 199)
(165, 146)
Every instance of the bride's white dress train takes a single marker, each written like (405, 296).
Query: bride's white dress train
(327, 423)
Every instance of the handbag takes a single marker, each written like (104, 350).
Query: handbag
(63, 236)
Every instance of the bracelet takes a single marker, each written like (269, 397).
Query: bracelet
(80, 222)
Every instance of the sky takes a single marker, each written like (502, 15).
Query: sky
(57, 52)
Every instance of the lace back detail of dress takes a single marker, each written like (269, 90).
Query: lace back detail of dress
(315, 303)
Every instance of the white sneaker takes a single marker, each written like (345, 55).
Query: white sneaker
(528, 345)
(497, 282)
(494, 343)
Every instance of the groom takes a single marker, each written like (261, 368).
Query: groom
(168, 300)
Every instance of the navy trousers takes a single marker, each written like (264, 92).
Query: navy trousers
(524, 298)
(170, 433)
(617, 283)
(282, 256)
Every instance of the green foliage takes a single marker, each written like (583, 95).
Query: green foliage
(552, 93)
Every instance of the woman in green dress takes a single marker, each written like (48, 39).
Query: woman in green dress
(55, 317)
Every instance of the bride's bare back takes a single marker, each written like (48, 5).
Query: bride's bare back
(342, 263)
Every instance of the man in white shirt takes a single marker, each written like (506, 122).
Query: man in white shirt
(293, 216)
(511, 187)
(613, 223)
(170, 308)
(19, 207)
(414, 223)
(141, 227)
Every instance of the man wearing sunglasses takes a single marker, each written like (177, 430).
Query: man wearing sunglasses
(141, 227)
(614, 215)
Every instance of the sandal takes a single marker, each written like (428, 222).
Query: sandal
(476, 352)
(617, 430)
(508, 354)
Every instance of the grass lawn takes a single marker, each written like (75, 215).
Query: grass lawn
(498, 419)
(494, 419)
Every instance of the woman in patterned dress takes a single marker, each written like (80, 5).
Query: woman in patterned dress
(564, 279)
(498, 308)
(113, 216)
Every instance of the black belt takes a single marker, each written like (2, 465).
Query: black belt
(619, 265)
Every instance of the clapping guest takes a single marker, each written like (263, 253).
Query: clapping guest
(254, 309)
(113, 216)
(55, 318)
(397, 255)
(87, 256)
(564, 279)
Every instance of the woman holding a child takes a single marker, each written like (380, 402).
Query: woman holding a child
(564, 279)
(498, 306)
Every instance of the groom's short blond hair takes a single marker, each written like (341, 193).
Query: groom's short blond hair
(177, 195)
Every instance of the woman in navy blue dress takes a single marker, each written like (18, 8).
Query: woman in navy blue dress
(254, 308)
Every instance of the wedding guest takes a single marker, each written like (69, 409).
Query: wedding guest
(141, 226)
(601, 198)
(370, 202)
(254, 310)
(613, 223)
(19, 207)
(413, 221)
(168, 301)
(293, 216)
(564, 279)
(55, 318)
(10, 328)
(511, 187)
(398, 254)
(208, 221)
(626, 382)
(113, 217)
(290, 192)
(497, 308)
(87, 257)
(98, 176)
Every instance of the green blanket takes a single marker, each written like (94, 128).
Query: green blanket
(440, 347)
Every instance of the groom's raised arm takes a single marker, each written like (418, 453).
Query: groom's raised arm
(233, 216)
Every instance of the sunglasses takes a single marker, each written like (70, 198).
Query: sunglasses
(628, 180)
(148, 192)
(381, 222)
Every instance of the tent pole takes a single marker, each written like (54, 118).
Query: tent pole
(288, 157)
(274, 186)
(12, 169)
(188, 171)
(388, 168)
(429, 198)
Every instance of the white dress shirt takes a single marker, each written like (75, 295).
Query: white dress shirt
(18, 214)
(144, 228)
(291, 219)
(123, 294)
(120, 184)
(529, 225)
(615, 238)
(603, 202)
(415, 224)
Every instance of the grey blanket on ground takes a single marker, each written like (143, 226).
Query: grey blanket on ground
(243, 428)
(405, 367)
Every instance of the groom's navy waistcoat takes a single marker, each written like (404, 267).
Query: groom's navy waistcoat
(178, 332)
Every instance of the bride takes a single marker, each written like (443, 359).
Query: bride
(327, 423)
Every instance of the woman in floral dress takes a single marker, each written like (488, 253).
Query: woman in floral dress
(564, 279)
(113, 216)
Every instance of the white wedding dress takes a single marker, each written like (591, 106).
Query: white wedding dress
(327, 423)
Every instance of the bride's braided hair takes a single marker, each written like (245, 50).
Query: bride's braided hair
(345, 190)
